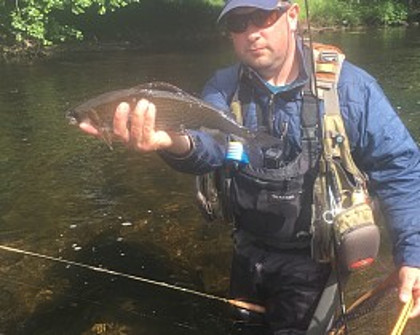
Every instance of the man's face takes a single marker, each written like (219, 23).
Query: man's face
(265, 48)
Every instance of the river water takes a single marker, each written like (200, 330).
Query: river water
(66, 195)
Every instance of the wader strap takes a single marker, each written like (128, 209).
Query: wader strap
(328, 62)
(337, 146)
(243, 99)
(309, 114)
(324, 313)
(332, 106)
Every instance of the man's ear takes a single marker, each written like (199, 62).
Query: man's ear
(293, 17)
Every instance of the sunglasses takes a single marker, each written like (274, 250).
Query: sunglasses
(238, 23)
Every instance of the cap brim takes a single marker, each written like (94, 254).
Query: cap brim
(265, 5)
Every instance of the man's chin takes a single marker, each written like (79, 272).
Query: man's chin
(259, 65)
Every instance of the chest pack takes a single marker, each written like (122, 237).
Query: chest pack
(340, 220)
(270, 198)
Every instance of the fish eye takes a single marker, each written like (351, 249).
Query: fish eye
(72, 120)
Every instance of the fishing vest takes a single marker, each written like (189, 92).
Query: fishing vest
(292, 193)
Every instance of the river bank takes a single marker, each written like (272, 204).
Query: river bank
(31, 32)
(27, 52)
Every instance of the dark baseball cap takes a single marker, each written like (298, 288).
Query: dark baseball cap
(260, 4)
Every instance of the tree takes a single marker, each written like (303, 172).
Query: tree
(36, 21)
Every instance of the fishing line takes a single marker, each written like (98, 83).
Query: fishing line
(152, 316)
(233, 302)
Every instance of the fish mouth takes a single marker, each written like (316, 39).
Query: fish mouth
(71, 118)
(72, 121)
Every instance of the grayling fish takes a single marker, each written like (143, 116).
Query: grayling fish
(176, 110)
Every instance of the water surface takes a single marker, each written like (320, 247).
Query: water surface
(66, 195)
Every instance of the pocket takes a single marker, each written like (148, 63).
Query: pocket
(358, 236)
(281, 198)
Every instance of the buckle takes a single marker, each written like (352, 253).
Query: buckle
(328, 56)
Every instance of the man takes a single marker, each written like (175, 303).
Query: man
(272, 263)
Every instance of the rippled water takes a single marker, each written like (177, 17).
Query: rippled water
(66, 195)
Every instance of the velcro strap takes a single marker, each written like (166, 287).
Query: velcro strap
(326, 67)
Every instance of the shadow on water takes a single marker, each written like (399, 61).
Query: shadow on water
(73, 300)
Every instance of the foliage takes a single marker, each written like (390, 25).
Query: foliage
(358, 12)
(46, 22)
(37, 20)
(388, 12)
(331, 12)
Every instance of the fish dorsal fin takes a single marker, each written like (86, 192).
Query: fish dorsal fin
(160, 86)
(157, 87)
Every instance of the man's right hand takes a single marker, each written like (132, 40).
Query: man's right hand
(136, 128)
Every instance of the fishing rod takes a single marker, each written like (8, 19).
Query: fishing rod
(403, 318)
(237, 303)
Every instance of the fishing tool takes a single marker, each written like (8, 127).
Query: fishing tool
(237, 303)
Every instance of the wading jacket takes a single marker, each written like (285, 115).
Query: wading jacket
(380, 143)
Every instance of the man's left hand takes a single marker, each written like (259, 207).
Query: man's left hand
(409, 286)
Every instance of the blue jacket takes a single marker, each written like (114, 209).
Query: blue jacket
(381, 146)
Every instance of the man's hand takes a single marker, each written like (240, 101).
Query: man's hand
(137, 128)
(409, 286)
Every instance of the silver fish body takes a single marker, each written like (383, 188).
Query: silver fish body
(176, 110)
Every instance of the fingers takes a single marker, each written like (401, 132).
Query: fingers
(143, 135)
(416, 297)
(89, 129)
(149, 116)
(143, 126)
(415, 312)
(136, 127)
(410, 287)
(121, 121)
(406, 284)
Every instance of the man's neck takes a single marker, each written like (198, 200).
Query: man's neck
(288, 71)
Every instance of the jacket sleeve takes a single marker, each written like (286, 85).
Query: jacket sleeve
(207, 153)
(385, 150)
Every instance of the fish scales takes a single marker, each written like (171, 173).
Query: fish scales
(178, 113)
(176, 110)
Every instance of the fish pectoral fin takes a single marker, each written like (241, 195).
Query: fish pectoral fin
(106, 136)
(96, 122)
(94, 118)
